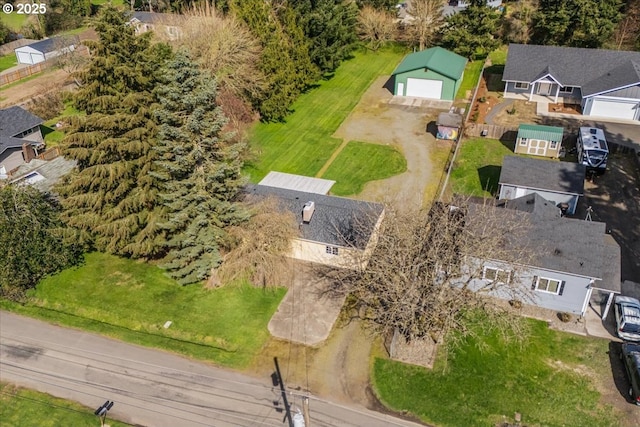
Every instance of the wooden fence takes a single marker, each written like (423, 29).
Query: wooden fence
(21, 73)
(49, 154)
(491, 131)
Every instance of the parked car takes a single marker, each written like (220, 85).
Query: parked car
(628, 318)
(631, 358)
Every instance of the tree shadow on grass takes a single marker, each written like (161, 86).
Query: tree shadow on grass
(489, 177)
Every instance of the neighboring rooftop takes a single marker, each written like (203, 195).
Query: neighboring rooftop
(14, 120)
(564, 177)
(593, 70)
(297, 182)
(335, 221)
(437, 59)
(449, 119)
(562, 244)
(545, 133)
(157, 18)
(53, 43)
(42, 174)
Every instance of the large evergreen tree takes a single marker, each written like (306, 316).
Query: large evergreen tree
(576, 23)
(471, 32)
(330, 27)
(31, 244)
(111, 199)
(199, 170)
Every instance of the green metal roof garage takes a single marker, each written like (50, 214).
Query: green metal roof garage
(434, 73)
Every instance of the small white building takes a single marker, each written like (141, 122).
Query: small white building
(43, 50)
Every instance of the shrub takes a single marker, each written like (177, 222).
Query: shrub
(511, 111)
(515, 304)
(564, 317)
(47, 106)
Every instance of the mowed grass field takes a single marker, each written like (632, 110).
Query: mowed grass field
(550, 379)
(470, 78)
(132, 301)
(21, 407)
(303, 144)
(8, 61)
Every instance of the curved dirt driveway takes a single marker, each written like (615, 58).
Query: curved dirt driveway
(376, 121)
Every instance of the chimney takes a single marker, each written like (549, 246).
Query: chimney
(27, 152)
(307, 211)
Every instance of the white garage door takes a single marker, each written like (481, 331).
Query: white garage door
(24, 57)
(616, 109)
(423, 88)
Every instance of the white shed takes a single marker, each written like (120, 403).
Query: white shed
(45, 49)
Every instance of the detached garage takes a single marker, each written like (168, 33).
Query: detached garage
(42, 50)
(435, 73)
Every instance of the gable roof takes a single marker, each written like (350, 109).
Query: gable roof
(53, 43)
(562, 244)
(546, 133)
(336, 221)
(7, 142)
(14, 120)
(592, 70)
(563, 177)
(440, 60)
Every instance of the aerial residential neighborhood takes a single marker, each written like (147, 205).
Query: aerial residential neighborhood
(320, 213)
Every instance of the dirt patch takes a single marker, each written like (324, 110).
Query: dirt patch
(485, 100)
(519, 112)
(45, 82)
(565, 108)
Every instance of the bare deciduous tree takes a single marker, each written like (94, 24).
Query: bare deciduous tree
(422, 279)
(259, 247)
(73, 56)
(627, 35)
(427, 20)
(376, 27)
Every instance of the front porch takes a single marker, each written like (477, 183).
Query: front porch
(545, 99)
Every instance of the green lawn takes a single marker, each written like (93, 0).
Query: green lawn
(20, 407)
(8, 61)
(132, 301)
(550, 379)
(477, 167)
(359, 163)
(53, 136)
(303, 144)
(113, 2)
(470, 78)
(13, 20)
(499, 56)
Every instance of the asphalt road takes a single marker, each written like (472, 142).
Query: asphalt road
(150, 387)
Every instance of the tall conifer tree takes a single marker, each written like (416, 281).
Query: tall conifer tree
(199, 169)
(112, 198)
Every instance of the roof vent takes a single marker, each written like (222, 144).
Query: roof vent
(557, 251)
(307, 211)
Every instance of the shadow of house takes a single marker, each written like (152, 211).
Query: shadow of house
(489, 177)
(390, 84)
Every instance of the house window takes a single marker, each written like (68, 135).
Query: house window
(566, 89)
(553, 145)
(521, 85)
(523, 141)
(551, 286)
(331, 250)
(496, 275)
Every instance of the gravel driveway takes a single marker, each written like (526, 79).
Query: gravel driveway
(374, 120)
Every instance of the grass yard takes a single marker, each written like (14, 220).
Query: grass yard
(13, 20)
(53, 136)
(550, 379)
(477, 168)
(303, 144)
(132, 300)
(359, 163)
(499, 56)
(470, 78)
(21, 407)
(113, 2)
(8, 61)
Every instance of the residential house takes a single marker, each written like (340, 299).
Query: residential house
(20, 138)
(539, 140)
(606, 83)
(334, 231)
(434, 73)
(43, 50)
(571, 258)
(561, 183)
(167, 25)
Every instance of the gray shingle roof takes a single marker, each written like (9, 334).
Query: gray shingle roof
(539, 174)
(14, 120)
(158, 18)
(594, 70)
(336, 221)
(7, 142)
(562, 244)
(52, 171)
(53, 43)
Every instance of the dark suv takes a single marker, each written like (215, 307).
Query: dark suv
(631, 358)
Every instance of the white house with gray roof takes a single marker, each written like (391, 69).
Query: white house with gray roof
(43, 50)
(557, 182)
(334, 231)
(20, 136)
(571, 260)
(606, 83)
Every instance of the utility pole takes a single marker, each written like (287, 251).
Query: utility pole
(287, 408)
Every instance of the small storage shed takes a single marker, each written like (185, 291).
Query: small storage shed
(449, 125)
(539, 140)
(42, 50)
(435, 73)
